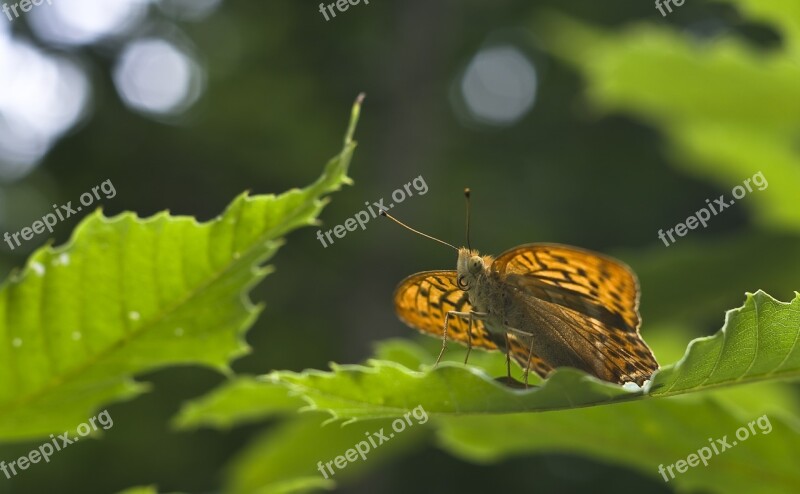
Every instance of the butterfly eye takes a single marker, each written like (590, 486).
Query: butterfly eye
(462, 283)
(475, 264)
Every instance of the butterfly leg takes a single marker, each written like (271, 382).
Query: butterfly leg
(454, 313)
(528, 367)
(522, 335)
(469, 339)
(508, 357)
(444, 333)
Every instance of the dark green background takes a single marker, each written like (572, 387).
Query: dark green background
(280, 84)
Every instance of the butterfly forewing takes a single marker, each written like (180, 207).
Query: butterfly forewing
(582, 280)
(422, 301)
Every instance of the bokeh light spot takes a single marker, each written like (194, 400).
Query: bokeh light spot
(155, 76)
(79, 22)
(499, 85)
(42, 97)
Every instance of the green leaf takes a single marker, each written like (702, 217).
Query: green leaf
(239, 401)
(127, 295)
(759, 341)
(746, 125)
(643, 435)
(385, 389)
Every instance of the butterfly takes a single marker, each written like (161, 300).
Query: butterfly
(544, 305)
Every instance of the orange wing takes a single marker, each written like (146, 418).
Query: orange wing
(585, 281)
(423, 299)
(588, 300)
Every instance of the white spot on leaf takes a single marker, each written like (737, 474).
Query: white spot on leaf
(37, 268)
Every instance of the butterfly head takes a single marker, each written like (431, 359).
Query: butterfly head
(471, 266)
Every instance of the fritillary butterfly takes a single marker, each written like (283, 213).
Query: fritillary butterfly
(544, 305)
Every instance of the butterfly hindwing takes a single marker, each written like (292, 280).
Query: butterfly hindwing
(524, 354)
(602, 350)
(587, 302)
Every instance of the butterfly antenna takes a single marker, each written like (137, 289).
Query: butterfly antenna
(466, 195)
(384, 213)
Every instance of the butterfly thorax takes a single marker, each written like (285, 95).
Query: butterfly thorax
(475, 276)
(502, 306)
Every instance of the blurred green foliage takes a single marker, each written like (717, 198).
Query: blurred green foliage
(661, 115)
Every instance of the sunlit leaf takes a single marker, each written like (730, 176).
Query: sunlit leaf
(745, 125)
(127, 295)
(759, 341)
